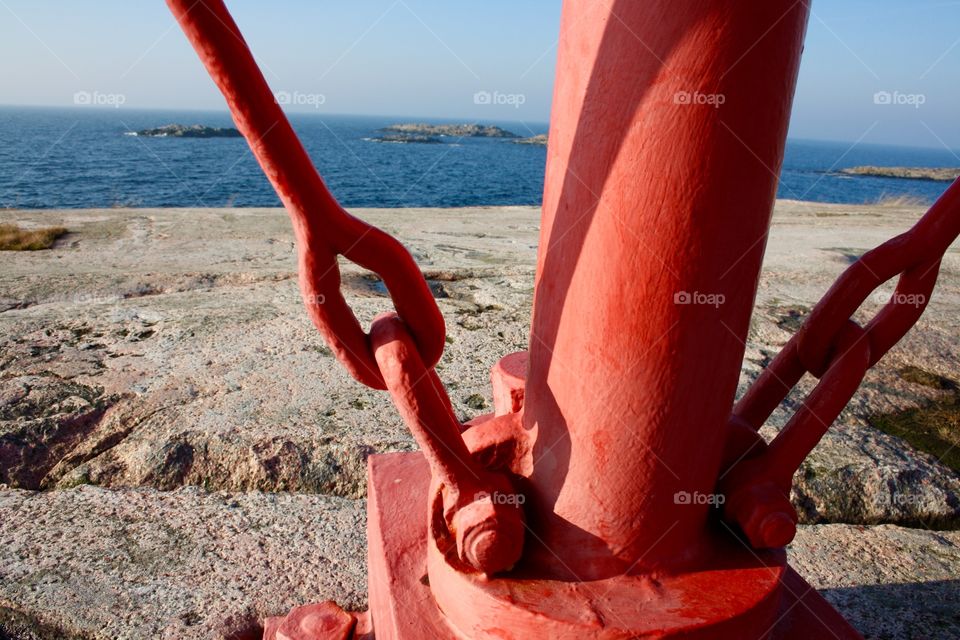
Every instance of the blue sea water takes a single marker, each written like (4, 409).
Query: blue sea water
(74, 158)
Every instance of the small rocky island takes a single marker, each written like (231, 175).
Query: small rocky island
(540, 139)
(433, 133)
(453, 130)
(907, 173)
(187, 131)
(407, 138)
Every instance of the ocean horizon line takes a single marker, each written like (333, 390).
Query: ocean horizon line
(56, 157)
(430, 119)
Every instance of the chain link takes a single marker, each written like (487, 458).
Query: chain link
(915, 256)
(838, 351)
(322, 227)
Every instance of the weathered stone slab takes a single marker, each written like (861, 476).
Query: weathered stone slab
(891, 583)
(97, 563)
(139, 563)
(163, 348)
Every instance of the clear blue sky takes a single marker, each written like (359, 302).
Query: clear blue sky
(427, 58)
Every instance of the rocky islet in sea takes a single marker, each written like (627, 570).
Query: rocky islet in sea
(938, 174)
(187, 131)
(423, 133)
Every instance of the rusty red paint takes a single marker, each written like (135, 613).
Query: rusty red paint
(402, 601)
(321, 620)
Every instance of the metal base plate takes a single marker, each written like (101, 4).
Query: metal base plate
(404, 608)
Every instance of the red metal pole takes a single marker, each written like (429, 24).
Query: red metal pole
(666, 139)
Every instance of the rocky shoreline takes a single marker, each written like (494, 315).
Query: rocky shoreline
(173, 428)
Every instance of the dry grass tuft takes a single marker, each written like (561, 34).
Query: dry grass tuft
(13, 238)
(901, 201)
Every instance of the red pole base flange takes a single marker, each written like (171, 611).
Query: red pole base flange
(712, 603)
(732, 596)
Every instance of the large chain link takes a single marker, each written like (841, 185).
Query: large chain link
(322, 227)
(837, 350)
(402, 349)
(915, 256)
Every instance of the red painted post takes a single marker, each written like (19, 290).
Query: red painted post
(667, 134)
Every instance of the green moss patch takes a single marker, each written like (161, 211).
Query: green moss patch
(920, 376)
(933, 428)
(790, 318)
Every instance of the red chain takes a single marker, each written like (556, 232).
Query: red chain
(403, 348)
(838, 351)
(915, 256)
(322, 227)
